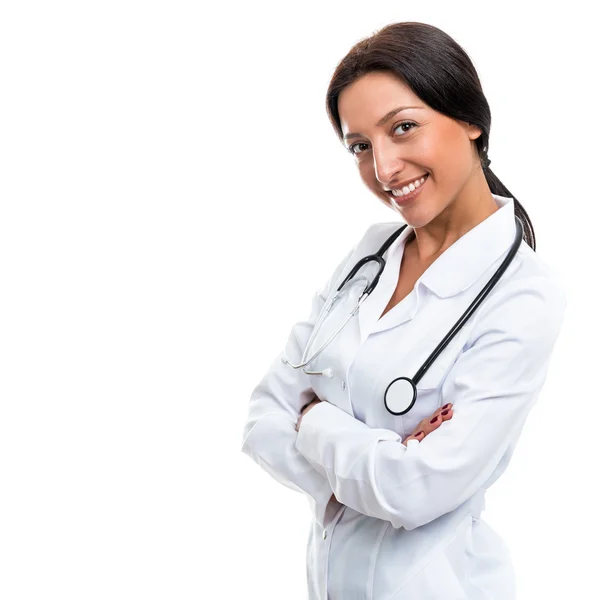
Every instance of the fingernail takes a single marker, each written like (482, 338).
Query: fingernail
(445, 412)
(447, 405)
(418, 434)
(434, 420)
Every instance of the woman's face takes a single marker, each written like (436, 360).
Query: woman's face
(393, 149)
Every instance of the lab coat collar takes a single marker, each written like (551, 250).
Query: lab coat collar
(460, 265)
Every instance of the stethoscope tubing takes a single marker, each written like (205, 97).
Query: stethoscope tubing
(474, 305)
(378, 258)
(407, 386)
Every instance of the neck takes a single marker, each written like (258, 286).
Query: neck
(459, 217)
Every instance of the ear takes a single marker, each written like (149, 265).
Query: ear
(473, 131)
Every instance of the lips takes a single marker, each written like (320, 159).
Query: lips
(399, 186)
(402, 200)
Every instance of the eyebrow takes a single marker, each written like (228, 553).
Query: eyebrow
(383, 120)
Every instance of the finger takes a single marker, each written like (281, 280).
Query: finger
(447, 414)
(420, 435)
(429, 424)
(426, 423)
(444, 412)
(436, 420)
(444, 408)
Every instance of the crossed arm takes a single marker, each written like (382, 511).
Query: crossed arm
(270, 435)
(421, 431)
(492, 386)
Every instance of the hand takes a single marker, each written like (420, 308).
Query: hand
(306, 409)
(425, 427)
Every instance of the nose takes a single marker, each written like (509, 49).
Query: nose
(388, 161)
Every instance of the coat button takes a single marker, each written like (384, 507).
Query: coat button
(324, 534)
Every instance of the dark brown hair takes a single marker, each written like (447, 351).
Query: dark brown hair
(439, 72)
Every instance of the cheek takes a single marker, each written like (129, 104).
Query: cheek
(367, 174)
(427, 152)
(449, 151)
(365, 169)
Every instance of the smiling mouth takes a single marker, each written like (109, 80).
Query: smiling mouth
(405, 198)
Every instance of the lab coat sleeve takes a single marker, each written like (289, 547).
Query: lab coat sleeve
(493, 384)
(269, 435)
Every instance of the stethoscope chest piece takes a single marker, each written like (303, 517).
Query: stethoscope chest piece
(400, 395)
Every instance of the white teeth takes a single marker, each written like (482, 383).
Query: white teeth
(411, 187)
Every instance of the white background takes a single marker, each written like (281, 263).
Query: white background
(172, 194)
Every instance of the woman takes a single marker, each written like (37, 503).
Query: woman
(397, 498)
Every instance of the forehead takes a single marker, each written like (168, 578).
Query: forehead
(367, 99)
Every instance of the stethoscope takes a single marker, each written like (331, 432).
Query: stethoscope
(401, 394)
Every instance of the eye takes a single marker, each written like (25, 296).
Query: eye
(352, 150)
(404, 123)
(351, 147)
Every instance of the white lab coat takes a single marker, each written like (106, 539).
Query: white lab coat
(407, 525)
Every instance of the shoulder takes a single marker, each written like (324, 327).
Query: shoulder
(536, 274)
(529, 301)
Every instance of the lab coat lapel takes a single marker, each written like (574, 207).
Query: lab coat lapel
(467, 259)
(459, 267)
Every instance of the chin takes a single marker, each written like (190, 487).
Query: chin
(413, 218)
